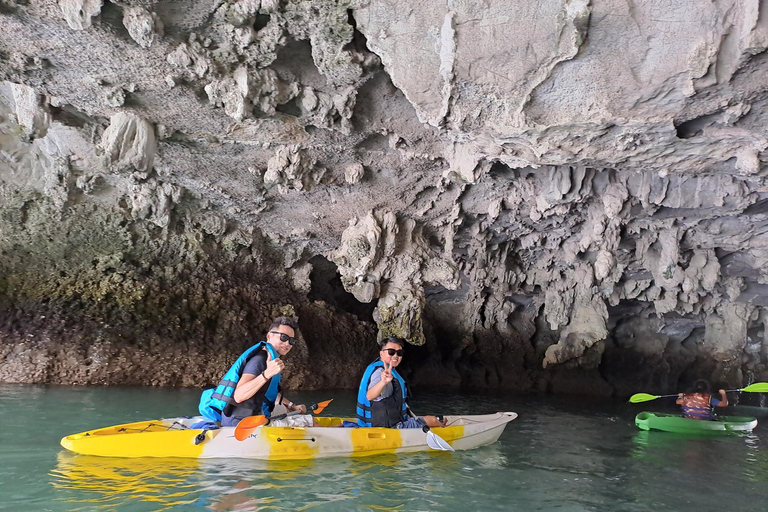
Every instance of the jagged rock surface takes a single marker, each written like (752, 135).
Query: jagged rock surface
(562, 195)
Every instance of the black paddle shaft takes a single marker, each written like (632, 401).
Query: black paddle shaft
(293, 413)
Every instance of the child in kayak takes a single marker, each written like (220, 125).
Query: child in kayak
(699, 403)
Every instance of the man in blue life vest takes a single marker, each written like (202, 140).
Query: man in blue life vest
(699, 403)
(381, 399)
(252, 385)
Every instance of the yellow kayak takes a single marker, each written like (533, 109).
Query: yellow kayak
(174, 437)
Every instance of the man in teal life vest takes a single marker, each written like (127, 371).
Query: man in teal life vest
(381, 399)
(252, 385)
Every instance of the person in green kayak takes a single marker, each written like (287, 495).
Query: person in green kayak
(698, 403)
(252, 385)
(381, 398)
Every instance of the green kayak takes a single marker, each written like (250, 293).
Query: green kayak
(676, 423)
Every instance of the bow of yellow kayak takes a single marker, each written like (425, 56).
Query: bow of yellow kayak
(174, 437)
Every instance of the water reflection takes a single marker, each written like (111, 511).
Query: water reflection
(165, 483)
(696, 455)
(391, 482)
(756, 467)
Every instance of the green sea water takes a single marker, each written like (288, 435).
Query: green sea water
(561, 454)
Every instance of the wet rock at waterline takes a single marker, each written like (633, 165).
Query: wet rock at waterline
(567, 198)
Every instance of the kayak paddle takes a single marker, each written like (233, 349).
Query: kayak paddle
(247, 425)
(757, 387)
(434, 441)
(319, 406)
(314, 408)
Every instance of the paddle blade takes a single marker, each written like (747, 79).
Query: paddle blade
(642, 397)
(320, 406)
(246, 427)
(757, 387)
(436, 442)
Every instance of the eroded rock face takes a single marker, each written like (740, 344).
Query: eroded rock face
(142, 25)
(563, 195)
(129, 143)
(78, 13)
(388, 259)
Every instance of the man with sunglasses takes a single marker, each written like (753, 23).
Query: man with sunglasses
(252, 385)
(381, 399)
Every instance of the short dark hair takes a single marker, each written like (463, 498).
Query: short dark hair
(284, 320)
(702, 386)
(391, 339)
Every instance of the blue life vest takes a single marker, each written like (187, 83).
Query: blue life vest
(384, 413)
(214, 400)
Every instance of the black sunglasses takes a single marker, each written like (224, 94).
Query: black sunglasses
(392, 351)
(285, 337)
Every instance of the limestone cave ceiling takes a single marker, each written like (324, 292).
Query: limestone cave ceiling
(571, 164)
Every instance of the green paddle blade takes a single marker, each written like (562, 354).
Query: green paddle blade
(642, 397)
(757, 387)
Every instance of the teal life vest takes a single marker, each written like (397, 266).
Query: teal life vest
(214, 400)
(386, 412)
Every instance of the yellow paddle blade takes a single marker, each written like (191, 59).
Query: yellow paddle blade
(246, 427)
(321, 406)
(642, 397)
(757, 387)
